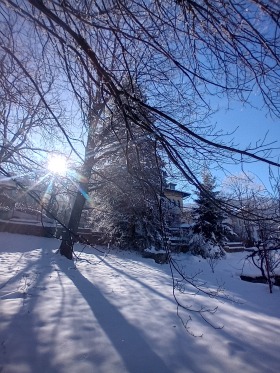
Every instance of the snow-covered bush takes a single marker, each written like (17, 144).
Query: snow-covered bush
(128, 227)
(6, 202)
(199, 245)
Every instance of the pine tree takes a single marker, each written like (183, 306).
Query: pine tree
(129, 184)
(209, 219)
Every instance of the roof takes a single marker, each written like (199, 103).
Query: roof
(6, 182)
(176, 193)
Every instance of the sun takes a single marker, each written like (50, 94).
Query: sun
(57, 164)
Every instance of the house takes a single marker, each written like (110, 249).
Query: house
(174, 204)
(8, 193)
(6, 184)
(11, 195)
(175, 196)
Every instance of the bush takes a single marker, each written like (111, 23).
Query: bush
(200, 246)
(6, 201)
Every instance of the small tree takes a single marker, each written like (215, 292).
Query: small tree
(209, 220)
(256, 220)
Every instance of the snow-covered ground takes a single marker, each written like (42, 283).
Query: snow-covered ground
(115, 312)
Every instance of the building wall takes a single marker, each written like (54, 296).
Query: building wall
(174, 205)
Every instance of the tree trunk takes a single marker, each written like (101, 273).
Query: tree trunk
(68, 237)
(267, 266)
(93, 142)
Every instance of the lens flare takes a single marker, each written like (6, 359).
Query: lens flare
(57, 164)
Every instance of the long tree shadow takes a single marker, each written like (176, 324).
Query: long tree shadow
(137, 355)
(21, 348)
(138, 281)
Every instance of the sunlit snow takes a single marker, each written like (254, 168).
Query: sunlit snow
(115, 312)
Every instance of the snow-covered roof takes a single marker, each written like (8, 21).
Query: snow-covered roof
(7, 182)
(185, 225)
(175, 192)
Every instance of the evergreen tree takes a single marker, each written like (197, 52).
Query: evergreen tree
(209, 219)
(128, 186)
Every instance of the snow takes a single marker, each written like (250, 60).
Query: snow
(153, 250)
(114, 312)
(28, 222)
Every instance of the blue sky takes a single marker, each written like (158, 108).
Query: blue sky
(252, 125)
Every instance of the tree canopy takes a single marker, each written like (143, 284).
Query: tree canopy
(183, 54)
(181, 51)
